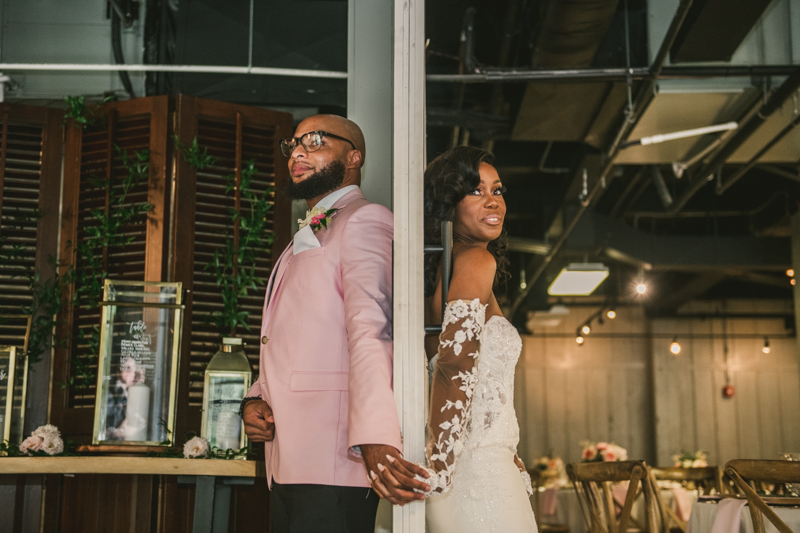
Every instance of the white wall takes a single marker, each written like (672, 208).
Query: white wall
(633, 391)
(565, 394)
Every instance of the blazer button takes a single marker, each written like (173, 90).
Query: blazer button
(264, 339)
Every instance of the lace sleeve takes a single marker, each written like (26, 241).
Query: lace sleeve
(455, 375)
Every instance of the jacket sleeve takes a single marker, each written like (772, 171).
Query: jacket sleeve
(455, 375)
(366, 262)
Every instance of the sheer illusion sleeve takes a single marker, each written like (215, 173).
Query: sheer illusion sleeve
(455, 375)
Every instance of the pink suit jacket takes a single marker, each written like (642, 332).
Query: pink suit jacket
(326, 368)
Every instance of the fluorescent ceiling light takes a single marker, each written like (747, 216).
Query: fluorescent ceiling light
(578, 279)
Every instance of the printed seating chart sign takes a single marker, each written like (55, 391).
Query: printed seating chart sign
(8, 356)
(138, 370)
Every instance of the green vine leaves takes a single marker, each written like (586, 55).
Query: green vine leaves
(106, 230)
(235, 266)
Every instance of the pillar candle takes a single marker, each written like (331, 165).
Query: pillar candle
(137, 412)
(229, 425)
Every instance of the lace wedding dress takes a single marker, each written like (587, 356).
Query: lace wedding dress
(472, 428)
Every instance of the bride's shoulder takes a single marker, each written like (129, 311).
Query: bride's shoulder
(473, 272)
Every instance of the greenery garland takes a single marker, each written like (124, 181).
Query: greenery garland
(89, 280)
(234, 267)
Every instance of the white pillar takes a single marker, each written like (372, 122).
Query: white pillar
(369, 90)
(409, 165)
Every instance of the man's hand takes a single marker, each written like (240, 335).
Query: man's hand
(259, 424)
(391, 476)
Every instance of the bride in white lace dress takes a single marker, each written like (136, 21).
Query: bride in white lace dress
(478, 483)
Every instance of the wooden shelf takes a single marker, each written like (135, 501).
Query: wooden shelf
(131, 465)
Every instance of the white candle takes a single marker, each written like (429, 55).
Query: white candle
(228, 428)
(137, 412)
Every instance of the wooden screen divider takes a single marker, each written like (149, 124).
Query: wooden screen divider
(192, 203)
(93, 153)
(233, 134)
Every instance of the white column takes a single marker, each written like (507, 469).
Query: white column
(369, 90)
(409, 164)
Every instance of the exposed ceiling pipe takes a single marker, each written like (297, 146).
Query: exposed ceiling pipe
(643, 98)
(725, 185)
(647, 90)
(209, 69)
(706, 172)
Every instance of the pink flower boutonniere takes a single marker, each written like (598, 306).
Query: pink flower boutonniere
(317, 218)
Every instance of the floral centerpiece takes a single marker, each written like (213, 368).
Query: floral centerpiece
(551, 470)
(691, 460)
(602, 451)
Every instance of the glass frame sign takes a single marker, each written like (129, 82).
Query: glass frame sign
(8, 361)
(137, 376)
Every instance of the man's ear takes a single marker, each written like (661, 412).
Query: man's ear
(354, 159)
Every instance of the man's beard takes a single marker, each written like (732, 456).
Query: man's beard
(318, 184)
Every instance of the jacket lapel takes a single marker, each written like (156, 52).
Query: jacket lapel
(277, 275)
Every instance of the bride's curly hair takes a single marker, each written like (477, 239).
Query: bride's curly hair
(448, 179)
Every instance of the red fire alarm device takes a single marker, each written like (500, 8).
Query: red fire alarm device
(728, 391)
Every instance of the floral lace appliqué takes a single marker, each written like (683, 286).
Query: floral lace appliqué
(454, 378)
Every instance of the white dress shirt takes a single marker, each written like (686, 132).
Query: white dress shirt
(305, 239)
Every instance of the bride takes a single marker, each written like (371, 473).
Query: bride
(477, 481)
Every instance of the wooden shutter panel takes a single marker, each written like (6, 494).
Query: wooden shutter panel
(30, 181)
(91, 153)
(233, 134)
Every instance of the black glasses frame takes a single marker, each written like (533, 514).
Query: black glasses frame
(290, 143)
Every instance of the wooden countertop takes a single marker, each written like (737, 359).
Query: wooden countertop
(131, 465)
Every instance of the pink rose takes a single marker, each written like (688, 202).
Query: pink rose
(315, 220)
(32, 443)
(589, 453)
(602, 446)
(608, 455)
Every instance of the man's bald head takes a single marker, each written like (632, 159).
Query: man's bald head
(338, 126)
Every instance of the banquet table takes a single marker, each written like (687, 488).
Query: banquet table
(568, 510)
(705, 510)
(212, 477)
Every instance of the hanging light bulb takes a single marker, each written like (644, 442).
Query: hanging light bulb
(675, 347)
(611, 314)
(641, 288)
(579, 339)
(586, 329)
(790, 272)
(766, 348)
(793, 281)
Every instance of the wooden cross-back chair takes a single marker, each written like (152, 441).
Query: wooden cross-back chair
(537, 481)
(704, 479)
(745, 472)
(593, 485)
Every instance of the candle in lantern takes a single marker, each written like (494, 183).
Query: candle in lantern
(137, 412)
(228, 428)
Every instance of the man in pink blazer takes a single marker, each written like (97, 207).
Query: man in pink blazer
(323, 403)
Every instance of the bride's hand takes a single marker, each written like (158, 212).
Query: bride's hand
(391, 476)
(519, 463)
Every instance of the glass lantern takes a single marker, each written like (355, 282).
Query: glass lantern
(137, 377)
(227, 379)
(8, 360)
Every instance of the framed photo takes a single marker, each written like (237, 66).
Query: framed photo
(14, 334)
(137, 375)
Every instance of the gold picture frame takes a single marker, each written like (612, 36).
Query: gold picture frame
(137, 378)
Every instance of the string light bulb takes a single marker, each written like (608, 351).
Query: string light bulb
(766, 348)
(675, 347)
(586, 329)
(579, 339)
(641, 288)
(611, 314)
(790, 272)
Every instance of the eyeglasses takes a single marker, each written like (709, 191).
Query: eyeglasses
(311, 141)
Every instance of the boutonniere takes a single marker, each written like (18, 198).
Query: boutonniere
(317, 218)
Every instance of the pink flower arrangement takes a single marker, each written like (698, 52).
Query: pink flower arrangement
(46, 439)
(691, 460)
(317, 218)
(602, 451)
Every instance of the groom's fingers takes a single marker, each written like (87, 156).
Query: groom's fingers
(398, 490)
(405, 477)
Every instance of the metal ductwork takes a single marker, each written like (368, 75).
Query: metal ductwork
(570, 36)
